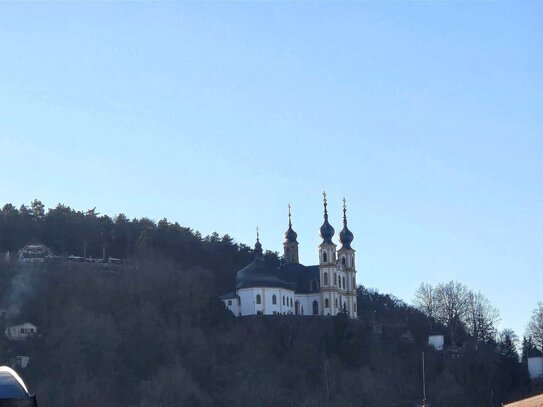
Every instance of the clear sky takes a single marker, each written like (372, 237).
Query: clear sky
(426, 116)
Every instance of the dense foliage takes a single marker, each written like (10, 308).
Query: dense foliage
(153, 333)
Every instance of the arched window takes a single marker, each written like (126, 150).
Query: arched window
(326, 303)
(343, 261)
(354, 283)
(324, 257)
(343, 282)
(313, 286)
(283, 300)
(335, 302)
(325, 278)
(274, 299)
(258, 299)
(335, 279)
(291, 302)
(315, 308)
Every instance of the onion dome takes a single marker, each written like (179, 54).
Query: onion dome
(345, 236)
(290, 234)
(327, 231)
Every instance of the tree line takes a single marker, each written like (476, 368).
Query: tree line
(156, 334)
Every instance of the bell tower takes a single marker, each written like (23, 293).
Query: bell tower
(327, 266)
(346, 255)
(290, 245)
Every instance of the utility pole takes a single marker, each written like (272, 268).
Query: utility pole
(423, 383)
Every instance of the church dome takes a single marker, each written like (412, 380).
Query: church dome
(346, 237)
(259, 274)
(291, 235)
(327, 231)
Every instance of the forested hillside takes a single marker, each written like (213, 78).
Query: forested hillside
(153, 332)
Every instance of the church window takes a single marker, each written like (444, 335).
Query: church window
(258, 299)
(343, 282)
(343, 261)
(325, 278)
(354, 284)
(315, 308)
(274, 299)
(283, 300)
(335, 302)
(335, 279)
(326, 303)
(324, 257)
(291, 302)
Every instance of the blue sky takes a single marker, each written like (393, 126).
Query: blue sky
(426, 116)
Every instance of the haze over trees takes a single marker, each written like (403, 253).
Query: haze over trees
(153, 332)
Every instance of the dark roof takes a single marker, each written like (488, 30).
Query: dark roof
(292, 276)
(229, 295)
(300, 276)
(535, 353)
(259, 274)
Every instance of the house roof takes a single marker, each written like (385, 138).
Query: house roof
(536, 401)
(534, 353)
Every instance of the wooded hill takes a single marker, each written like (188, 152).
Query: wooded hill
(155, 334)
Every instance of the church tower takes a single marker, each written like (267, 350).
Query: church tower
(290, 245)
(327, 266)
(347, 264)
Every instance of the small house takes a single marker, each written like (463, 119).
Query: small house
(436, 341)
(21, 332)
(34, 253)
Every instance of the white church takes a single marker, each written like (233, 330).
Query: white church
(292, 288)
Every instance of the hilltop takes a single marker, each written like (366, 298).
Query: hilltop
(155, 333)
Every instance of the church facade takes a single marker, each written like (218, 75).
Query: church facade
(327, 288)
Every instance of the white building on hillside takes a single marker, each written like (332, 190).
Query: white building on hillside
(34, 253)
(328, 288)
(21, 332)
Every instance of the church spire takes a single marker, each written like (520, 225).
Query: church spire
(345, 236)
(327, 231)
(258, 246)
(290, 245)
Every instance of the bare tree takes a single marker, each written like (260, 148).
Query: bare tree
(535, 327)
(424, 299)
(451, 306)
(481, 318)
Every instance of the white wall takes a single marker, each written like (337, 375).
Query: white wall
(232, 304)
(535, 367)
(306, 302)
(249, 306)
(436, 341)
